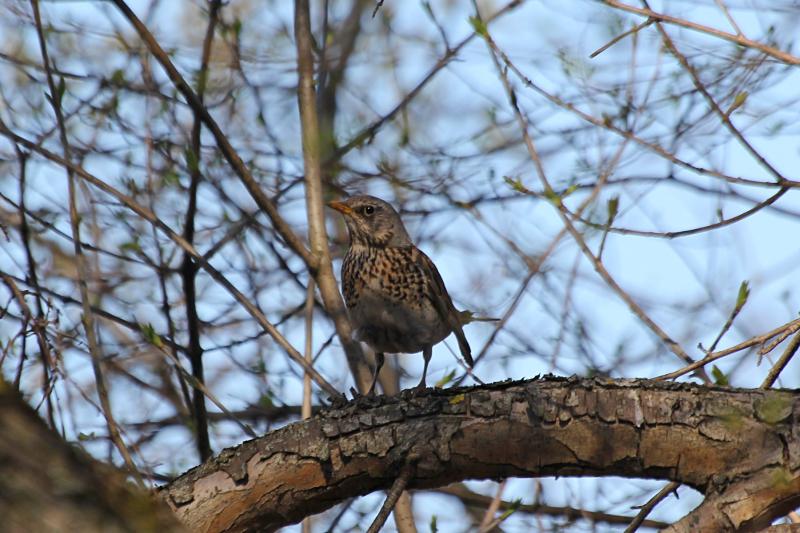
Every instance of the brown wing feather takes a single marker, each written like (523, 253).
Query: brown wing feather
(442, 302)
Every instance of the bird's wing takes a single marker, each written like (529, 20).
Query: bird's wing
(441, 301)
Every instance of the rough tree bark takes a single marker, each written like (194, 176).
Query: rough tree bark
(46, 485)
(739, 447)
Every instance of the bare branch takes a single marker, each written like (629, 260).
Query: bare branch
(738, 39)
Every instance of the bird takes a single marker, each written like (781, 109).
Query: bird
(395, 297)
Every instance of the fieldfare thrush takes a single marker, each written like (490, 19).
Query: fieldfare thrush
(396, 298)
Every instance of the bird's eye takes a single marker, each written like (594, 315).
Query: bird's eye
(368, 210)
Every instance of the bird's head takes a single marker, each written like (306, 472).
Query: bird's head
(372, 222)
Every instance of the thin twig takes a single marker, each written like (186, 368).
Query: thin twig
(780, 183)
(215, 274)
(781, 363)
(724, 117)
(392, 496)
(671, 344)
(369, 131)
(738, 39)
(784, 331)
(652, 146)
(491, 509)
(48, 361)
(309, 347)
(779, 338)
(721, 5)
(534, 266)
(378, 5)
(344, 508)
(471, 498)
(189, 267)
(769, 201)
(205, 391)
(98, 311)
(647, 508)
(729, 322)
(28, 318)
(230, 154)
(87, 317)
(621, 36)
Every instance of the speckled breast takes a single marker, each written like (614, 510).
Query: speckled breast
(387, 297)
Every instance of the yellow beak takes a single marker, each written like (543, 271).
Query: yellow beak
(341, 207)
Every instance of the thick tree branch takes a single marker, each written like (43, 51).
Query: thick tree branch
(713, 439)
(317, 234)
(50, 485)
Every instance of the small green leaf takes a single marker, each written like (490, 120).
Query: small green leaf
(479, 26)
(191, 159)
(259, 367)
(719, 377)
(434, 529)
(132, 246)
(744, 293)
(445, 380)
(552, 196)
(516, 184)
(613, 208)
(171, 178)
(150, 335)
(405, 136)
(201, 80)
(571, 189)
(266, 401)
(511, 509)
(738, 102)
(62, 86)
(118, 77)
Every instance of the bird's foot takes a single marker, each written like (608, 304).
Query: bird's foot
(356, 394)
(338, 401)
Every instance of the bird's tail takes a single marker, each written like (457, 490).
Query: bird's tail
(467, 317)
(463, 345)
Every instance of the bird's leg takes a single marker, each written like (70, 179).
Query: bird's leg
(426, 354)
(378, 364)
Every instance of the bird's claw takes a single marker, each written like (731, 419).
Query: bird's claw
(338, 400)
